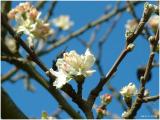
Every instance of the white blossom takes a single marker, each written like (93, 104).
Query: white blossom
(72, 65)
(129, 90)
(63, 22)
(11, 44)
(61, 78)
(28, 21)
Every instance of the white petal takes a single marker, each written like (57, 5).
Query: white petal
(61, 78)
(89, 59)
(90, 72)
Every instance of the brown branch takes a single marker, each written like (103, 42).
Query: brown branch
(138, 102)
(9, 74)
(146, 15)
(95, 92)
(99, 21)
(67, 88)
(50, 11)
(78, 100)
(39, 63)
(40, 4)
(150, 98)
(146, 33)
(9, 108)
(26, 66)
(102, 41)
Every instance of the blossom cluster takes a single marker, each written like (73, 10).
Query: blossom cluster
(71, 65)
(28, 21)
(129, 90)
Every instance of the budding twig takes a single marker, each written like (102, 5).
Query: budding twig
(138, 102)
(42, 66)
(130, 39)
(150, 98)
(99, 21)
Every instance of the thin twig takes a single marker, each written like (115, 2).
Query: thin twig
(9, 74)
(138, 102)
(150, 98)
(50, 11)
(40, 64)
(40, 4)
(9, 108)
(95, 92)
(99, 21)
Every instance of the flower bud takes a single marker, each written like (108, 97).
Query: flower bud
(146, 93)
(106, 99)
(130, 47)
(128, 34)
(63, 22)
(154, 22)
(129, 90)
(101, 112)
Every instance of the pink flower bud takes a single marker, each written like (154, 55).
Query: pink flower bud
(101, 111)
(33, 13)
(106, 99)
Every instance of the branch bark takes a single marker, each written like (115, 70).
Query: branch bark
(150, 98)
(9, 108)
(95, 92)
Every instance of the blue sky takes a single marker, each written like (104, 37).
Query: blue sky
(32, 104)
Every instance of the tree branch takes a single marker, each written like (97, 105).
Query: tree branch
(150, 98)
(138, 102)
(26, 66)
(99, 21)
(9, 108)
(34, 57)
(9, 74)
(95, 92)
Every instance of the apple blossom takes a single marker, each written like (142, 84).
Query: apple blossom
(71, 65)
(61, 78)
(63, 22)
(28, 21)
(129, 90)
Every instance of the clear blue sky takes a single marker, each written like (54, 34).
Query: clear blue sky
(32, 104)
